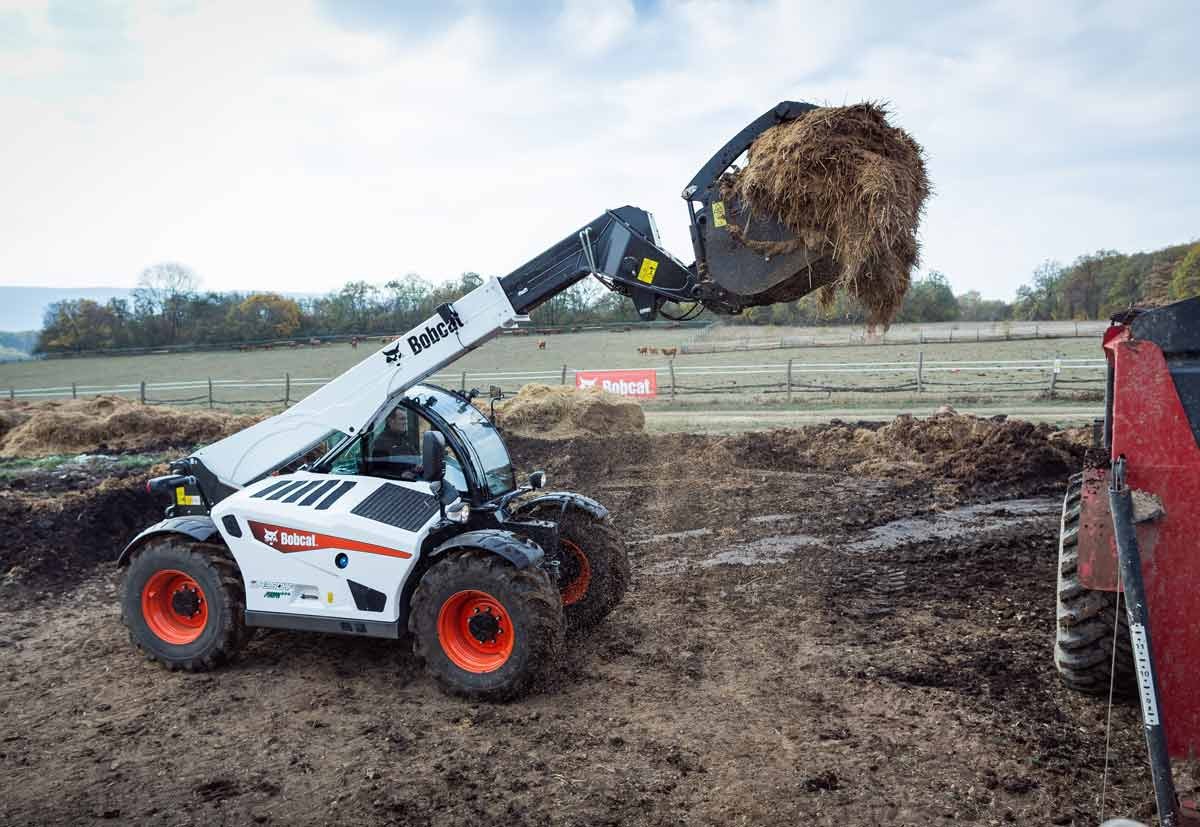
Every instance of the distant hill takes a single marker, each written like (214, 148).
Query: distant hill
(21, 308)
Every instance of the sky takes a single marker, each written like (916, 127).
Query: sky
(295, 146)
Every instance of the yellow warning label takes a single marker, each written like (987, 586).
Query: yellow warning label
(646, 273)
(181, 497)
(328, 597)
(718, 209)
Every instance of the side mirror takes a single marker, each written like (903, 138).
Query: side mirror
(537, 479)
(433, 456)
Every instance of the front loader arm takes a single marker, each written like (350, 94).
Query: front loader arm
(621, 247)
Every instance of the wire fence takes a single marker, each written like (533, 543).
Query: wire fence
(790, 379)
(719, 339)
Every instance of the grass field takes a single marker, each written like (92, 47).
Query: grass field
(743, 373)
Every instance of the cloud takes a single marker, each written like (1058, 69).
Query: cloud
(295, 146)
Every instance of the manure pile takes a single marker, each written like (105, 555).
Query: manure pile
(971, 453)
(560, 412)
(852, 188)
(107, 424)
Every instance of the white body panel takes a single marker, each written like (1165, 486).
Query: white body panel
(288, 550)
(349, 402)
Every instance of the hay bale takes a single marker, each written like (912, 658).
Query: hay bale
(847, 184)
(543, 410)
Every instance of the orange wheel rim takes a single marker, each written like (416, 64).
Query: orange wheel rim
(574, 590)
(174, 607)
(475, 631)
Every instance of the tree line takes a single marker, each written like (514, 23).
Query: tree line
(167, 307)
(1094, 286)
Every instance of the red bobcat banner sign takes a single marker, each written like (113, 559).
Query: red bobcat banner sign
(640, 383)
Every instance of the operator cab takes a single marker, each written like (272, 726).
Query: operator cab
(477, 461)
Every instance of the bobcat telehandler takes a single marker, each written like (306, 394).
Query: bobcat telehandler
(302, 521)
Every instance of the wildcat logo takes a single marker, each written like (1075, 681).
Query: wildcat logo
(289, 540)
(392, 354)
(587, 383)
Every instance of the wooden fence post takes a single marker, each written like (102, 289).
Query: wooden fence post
(287, 389)
(1054, 375)
(920, 369)
(210, 398)
(671, 368)
(12, 394)
(142, 392)
(789, 382)
(563, 380)
(74, 395)
(463, 388)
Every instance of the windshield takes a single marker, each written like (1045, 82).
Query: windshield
(485, 447)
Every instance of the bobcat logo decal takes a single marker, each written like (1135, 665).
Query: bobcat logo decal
(392, 354)
(270, 536)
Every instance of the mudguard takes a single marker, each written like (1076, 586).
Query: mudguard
(198, 527)
(570, 498)
(520, 552)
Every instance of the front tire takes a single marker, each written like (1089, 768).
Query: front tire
(593, 565)
(1083, 644)
(184, 605)
(484, 628)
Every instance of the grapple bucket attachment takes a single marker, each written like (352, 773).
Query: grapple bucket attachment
(750, 259)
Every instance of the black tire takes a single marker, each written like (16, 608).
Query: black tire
(532, 615)
(585, 604)
(1083, 644)
(220, 593)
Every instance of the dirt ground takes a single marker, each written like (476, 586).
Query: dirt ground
(808, 640)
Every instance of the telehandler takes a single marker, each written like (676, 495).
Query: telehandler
(334, 517)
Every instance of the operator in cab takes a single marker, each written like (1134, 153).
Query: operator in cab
(398, 446)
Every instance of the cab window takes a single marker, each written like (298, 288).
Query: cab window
(392, 449)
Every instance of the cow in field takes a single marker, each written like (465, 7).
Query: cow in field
(314, 342)
(541, 344)
(670, 351)
(642, 351)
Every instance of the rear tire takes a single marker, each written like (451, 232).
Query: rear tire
(485, 629)
(1083, 645)
(184, 604)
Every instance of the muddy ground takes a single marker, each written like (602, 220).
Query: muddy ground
(803, 644)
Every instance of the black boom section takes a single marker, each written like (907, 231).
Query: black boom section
(397, 506)
(617, 246)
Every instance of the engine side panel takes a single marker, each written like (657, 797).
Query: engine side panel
(296, 529)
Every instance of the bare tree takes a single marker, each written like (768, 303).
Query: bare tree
(163, 290)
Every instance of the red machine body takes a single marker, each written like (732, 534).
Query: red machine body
(1152, 418)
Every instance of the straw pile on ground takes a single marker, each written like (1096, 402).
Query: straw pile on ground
(107, 424)
(852, 188)
(558, 412)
